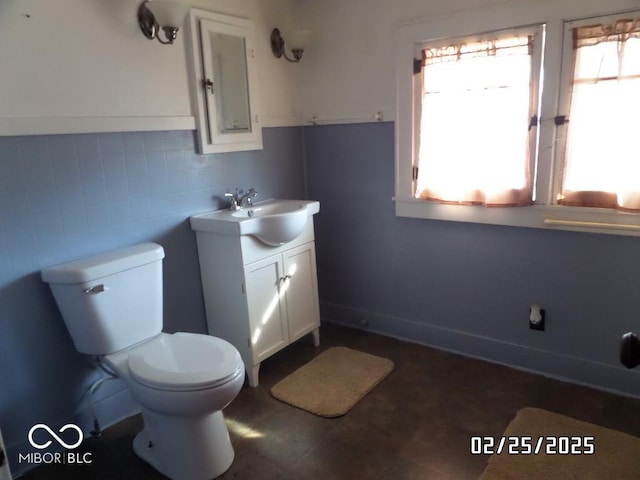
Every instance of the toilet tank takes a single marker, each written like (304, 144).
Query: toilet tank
(110, 301)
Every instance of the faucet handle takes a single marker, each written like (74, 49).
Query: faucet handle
(233, 200)
(250, 194)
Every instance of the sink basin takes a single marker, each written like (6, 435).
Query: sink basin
(277, 208)
(273, 222)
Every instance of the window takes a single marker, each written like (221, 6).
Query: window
(476, 144)
(601, 164)
(537, 120)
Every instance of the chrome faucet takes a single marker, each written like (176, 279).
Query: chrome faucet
(241, 199)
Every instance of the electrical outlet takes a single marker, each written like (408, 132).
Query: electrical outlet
(536, 318)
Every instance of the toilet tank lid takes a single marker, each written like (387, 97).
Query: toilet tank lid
(104, 264)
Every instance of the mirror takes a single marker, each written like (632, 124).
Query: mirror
(231, 88)
(223, 83)
(230, 68)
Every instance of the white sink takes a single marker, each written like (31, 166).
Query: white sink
(273, 222)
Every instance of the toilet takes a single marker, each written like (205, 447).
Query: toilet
(112, 306)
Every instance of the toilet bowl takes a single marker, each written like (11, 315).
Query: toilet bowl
(112, 306)
(169, 377)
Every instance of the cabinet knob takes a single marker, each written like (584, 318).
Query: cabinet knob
(285, 278)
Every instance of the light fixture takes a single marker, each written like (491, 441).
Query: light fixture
(298, 43)
(166, 14)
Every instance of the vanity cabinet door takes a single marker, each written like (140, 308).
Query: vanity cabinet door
(282, 298)
(267, 314)
(301, 296)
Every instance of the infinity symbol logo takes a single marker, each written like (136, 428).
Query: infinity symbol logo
(66, 445)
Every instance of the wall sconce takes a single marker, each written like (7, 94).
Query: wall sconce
(166, 14)
(298, 44)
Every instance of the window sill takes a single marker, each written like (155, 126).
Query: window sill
(550, 217)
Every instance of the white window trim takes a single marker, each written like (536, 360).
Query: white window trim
(544, 214)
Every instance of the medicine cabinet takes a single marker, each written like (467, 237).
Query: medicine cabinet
(223, 82)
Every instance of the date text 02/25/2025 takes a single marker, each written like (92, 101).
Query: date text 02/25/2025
(524, 445)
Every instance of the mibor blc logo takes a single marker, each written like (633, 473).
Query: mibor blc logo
(53, 434)
(70, 442)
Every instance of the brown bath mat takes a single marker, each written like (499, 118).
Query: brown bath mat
(616, 454)
(333, 382)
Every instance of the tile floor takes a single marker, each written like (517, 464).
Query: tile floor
(416, 424)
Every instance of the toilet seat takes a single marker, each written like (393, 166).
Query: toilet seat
(184, 361)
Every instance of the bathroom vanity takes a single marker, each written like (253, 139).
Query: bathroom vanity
(258, 269)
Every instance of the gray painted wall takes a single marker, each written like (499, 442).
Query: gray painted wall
(460, 286)
(64, 197)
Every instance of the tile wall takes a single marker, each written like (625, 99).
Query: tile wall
(63, 197)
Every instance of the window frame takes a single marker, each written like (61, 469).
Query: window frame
(535, 31)
(566, 78)
(558, 17)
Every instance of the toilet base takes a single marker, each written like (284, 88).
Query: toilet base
(185, 448)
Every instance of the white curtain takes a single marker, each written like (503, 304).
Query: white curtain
(474, 129)
(602, 160)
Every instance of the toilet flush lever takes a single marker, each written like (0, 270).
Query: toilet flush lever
(95, 289)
